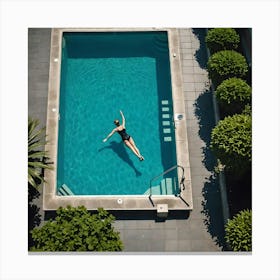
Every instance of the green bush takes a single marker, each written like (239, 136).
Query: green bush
(233, 94)
(218, 39)
(247, 110)
(239, 231)
(232, 144)
(226, 64)
(76, 229)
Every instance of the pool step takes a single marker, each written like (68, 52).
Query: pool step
(166, 187)
(64, 190)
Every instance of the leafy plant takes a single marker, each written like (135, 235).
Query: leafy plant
(226, 64)
(233, 94)
(239, 231)
(231, 142)
(76, 229)
(247, 110)
(36, 154)
(218, 39)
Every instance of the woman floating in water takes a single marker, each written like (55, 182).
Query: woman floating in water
(127, 139)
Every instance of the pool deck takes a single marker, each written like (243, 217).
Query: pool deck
(199, 230)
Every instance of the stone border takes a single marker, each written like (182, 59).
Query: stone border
(51, 201)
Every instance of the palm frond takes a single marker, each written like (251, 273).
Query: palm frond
(36, 154)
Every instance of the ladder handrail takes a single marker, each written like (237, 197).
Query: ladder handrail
(165, 172)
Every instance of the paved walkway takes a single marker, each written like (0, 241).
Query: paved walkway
(201, 230)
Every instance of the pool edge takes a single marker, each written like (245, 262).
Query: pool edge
(51, 201)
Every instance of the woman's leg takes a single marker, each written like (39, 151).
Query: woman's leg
(133, 145)
(128, 144)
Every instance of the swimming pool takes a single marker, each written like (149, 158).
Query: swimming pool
(94, 73)
(102, 73)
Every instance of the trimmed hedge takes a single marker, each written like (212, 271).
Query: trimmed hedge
(218, 39)
(233, 94)
(226, 64)
(232, 144)
(239, 231)
(76, 229)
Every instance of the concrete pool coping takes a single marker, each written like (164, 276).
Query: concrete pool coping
(51, 201)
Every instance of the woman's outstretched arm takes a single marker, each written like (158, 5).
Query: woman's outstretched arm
(109, 135)
(123, 119)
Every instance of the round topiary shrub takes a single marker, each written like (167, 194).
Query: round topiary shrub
(239, 231)
(218, 39)
(232, 144)
(76, 229)
(233, 94)
(226, 64)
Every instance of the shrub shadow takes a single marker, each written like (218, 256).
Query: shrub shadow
(34, 217)
(212, 208)
(204, 112)
(201, 53)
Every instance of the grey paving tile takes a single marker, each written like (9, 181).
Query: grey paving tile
(186, 45)
(184, 245)
(157, 245)
(139, 234)
(188, 78)
(190, 114)
(145, 224)
(200, 71)
(170, 224)
(195, 43)
(201, 78)
(188, 56)
(190, 104)
(197, 213)
(183, 233)
(190, 95)
(196, 191)
(183, 223)
(187, 51)
(171, 233)
(136, 246)
(202, 246)
(189, 86)
(193, 123)
(185, 38)
(197, 162)
(200, 87)
(188, 70)
(187, 62)
(158, 234)
(171, 245)
(200, 171)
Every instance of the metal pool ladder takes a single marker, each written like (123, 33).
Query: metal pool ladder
(181, 182)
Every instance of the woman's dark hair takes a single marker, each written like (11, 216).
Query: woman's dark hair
(116, 122)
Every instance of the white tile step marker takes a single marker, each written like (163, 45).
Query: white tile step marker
(166, 130)
(165, 109)
(166, 123)
(165, 116)
(167, 139)
(164, 102)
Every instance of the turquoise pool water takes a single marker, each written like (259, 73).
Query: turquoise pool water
(102, 73)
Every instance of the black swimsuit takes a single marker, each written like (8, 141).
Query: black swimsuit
(123, 134)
